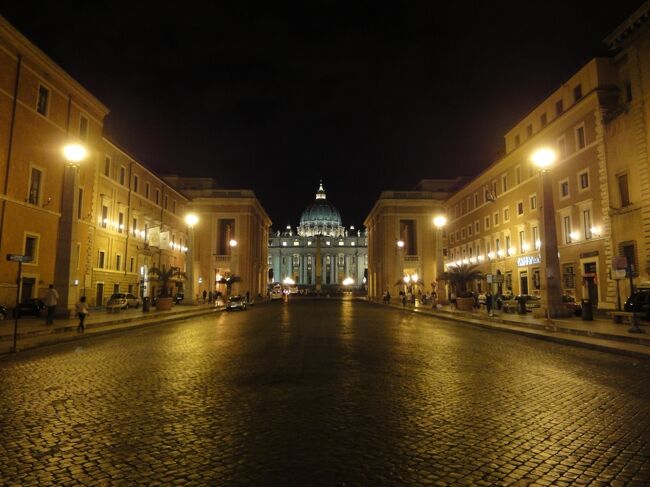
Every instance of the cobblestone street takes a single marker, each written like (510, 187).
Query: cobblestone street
(322, 392)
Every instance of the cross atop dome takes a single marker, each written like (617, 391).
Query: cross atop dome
(320, 194)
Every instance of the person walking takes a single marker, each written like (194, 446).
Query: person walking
(205, 294)
(51, 300)
(82, 312)
(488, 303)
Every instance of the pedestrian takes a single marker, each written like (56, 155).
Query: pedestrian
(453, 300)
(387, 297)
(205, 295)
(51, 300)
(248, 297)
(82, 312)
(488, 303)
(403, 300)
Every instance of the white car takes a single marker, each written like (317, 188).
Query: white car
(124, 300)
(276, 295)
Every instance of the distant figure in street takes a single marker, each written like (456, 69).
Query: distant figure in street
(248, 297)
(453, 299)
(82, 311)
(488, 303)
(403, 300)
(51, 300)
(205, 295)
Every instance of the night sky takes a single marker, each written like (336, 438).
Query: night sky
(274, 96)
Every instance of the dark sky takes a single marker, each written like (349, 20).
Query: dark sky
(274, 95)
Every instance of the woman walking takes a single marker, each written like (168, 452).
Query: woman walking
(82, 311)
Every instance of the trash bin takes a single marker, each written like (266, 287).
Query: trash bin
(587, 311)
(521, 305)
(146, 303)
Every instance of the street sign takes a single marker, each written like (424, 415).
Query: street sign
(19, 258)
(619, 263)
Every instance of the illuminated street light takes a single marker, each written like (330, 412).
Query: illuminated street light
(233, 243)
(439, 221)
(191, 219)
(75, 153)
(543, 158)
(400, 244)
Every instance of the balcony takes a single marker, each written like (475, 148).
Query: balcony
(411, 258)
(222, 258)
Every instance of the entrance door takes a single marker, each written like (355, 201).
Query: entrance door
(590, 282)
(27, 287)
(100, 294)
(523, 282)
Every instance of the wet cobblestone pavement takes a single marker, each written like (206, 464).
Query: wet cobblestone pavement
(322, 393)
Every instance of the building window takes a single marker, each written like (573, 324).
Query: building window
(518, 175)
(522, 241)
(533, 201)
(520, 208)
(508, 244)
(165, 199)
(107, 167)
(80, 203)
(157, 196)
(559, 108)
(462, 232)
(497, 245)
(477, 227)
(43, 100)
(568, 276)
(506, 214)
(623, 190)
(147, 188)
(564, 189)
(83, 128)
(122, 175)
(561, 147)
(136, 182)
(536, 241)
(543, 120)
(628, 250)
(118, 262)
(35, 181)
(31, 248)
(496, 219)
(104, 222)
(174, 206)
(101, 259)
(475, 200)
(581, 141)
(577, 93)
(567, 229)
(407, 233)
(517, 140)
(469, 230)
(586, 220)
(487, 222)
(504, 183)
(529, 131)
(583, 180)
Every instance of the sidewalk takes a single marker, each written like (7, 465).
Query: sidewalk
(599, 334)
(33, 332)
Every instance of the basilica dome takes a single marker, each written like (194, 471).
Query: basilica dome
(321, 218)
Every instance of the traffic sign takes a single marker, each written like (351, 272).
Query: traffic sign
(19, 258)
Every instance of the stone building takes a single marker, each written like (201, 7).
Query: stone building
(322, 253)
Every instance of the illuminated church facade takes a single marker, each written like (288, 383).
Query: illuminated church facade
(320, 254)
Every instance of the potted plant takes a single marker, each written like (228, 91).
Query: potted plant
(164, 277)
(459, 276)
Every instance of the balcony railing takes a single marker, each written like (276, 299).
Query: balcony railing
(222, 258)
(411, 258)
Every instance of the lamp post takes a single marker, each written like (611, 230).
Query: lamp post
(190, 220)
(233, 259)
(439, 221)
(65, 268)
(551, 289)
(399, 251)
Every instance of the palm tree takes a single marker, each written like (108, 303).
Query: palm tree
(164, 276)
(459, 276)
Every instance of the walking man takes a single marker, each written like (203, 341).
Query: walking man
(51, 299)
(82, 311)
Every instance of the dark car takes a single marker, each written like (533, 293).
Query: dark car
(639, 302)
(29, 307)
(236, 302)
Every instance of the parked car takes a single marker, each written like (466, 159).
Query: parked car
(29, 307)
(639, 302)
(236, 302)
(3, 312)
(276, 294)
(125, 300)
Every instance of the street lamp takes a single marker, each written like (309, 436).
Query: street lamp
(439, 221)
(65, 271)
(551, 290)
(191, 219)
(233, 255)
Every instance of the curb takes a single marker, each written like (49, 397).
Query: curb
(541, 332)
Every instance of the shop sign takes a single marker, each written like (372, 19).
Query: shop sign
(528, 260)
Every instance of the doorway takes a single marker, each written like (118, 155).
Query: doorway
(27, 288)
(523, 282)
(589, 275)
(99, 300)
